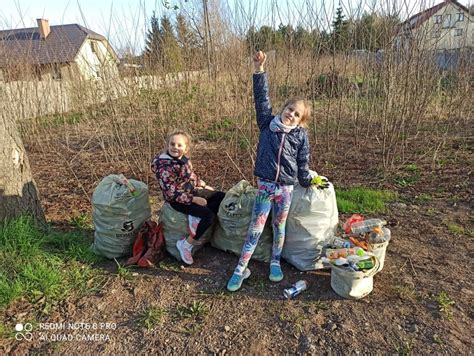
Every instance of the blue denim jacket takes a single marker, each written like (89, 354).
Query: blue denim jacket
(281, 157)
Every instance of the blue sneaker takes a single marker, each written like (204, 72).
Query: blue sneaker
(276, 274)
(235, 282)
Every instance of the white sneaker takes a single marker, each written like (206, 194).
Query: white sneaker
(184, 249)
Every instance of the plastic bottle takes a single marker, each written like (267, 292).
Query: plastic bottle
(339, 242)
(344, 252)
(379, 236)
(362, 227)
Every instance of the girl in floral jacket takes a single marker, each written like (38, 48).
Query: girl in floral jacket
(183, 189)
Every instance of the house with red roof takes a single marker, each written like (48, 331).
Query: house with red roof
(446, 26)
(55, 53)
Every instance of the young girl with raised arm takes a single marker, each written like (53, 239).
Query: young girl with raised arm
(282, 160)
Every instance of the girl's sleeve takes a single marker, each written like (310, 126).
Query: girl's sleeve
(302, 160)
(263, 106)
(154, 166)
(183, 197)
(194, 177)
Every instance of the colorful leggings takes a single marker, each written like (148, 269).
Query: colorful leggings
(269, 195)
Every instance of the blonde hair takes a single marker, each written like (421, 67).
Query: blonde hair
(306, 115)
(189, 139)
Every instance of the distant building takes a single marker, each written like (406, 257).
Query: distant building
(445, 26)
(55, 52)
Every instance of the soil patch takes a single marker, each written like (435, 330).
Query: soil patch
(401, 315)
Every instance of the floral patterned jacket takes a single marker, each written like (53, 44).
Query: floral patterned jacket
(176, 178)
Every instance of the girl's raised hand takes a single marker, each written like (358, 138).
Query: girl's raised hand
(259, 60)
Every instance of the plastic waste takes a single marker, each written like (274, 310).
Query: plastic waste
(358, 243)
(339, 242)
(354, 262)
(353, 284)
(366, 264)
(353, 219)
(341, 261)
(362, 227)
(379, 235)
(122, 180)
(344, 252)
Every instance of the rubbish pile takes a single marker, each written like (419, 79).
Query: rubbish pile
(362, 232)
(357, 256)
(352, 259)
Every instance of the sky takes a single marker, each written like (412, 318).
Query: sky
(124, 22)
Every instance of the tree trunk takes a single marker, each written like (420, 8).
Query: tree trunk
(18, 192)
(207, 36)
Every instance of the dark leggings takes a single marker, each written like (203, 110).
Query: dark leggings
(206, 213)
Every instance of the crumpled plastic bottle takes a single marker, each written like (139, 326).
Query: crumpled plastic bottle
(362, 227)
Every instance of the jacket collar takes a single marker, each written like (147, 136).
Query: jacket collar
(166, 155)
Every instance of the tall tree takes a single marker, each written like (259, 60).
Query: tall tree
(264, 39)
(153, 44)
(287, 34)
(161, 48)
(187, 40)
(208, 39)
(340, 32)
(363, 34)
(372, 31)
(172, 58)
(18, 192)
(185, 36)
(251, 39)
(304, 39)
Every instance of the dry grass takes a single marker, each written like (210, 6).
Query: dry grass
(397, 104)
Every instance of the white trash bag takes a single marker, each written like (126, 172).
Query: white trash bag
(311, 224)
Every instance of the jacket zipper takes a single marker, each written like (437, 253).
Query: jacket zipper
(279, 156)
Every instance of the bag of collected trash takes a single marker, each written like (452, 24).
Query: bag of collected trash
(311, 223)
(148, 247)
(235, 213)
(119, 208)
(177, 225)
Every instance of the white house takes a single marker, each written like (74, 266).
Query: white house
(446, 26)
(55, 52)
